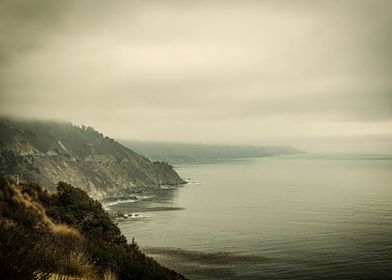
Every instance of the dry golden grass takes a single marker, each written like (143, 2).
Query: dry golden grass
(81, 265)
(64, 230)
(78, 267)
(72, 262)
(7, 223)
(109, 275)
(55, 276)
(28, 202)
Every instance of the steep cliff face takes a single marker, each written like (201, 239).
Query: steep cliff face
(48, 152)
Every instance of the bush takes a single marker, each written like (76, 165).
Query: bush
(65, 234)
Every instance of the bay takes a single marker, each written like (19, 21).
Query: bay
(297, 217)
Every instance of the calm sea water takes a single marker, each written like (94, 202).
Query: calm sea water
(306, 217)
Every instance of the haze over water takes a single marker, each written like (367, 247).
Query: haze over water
(303, 217)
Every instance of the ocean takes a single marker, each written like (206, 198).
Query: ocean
(295, 217)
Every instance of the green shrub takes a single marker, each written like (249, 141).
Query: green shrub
(66, 233)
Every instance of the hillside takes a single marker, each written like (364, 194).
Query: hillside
(48, 152)
(181, 153)
(46, 235)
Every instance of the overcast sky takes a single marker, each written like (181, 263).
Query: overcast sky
(314, 74)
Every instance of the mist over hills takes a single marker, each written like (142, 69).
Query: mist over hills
(182, 153)
(47, 152)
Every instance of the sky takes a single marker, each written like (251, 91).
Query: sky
(313, 74)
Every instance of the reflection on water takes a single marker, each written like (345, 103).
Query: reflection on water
(301, 218)
(204, 264)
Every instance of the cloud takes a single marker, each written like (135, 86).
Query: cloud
(164, 68)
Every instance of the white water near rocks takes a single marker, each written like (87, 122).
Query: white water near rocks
(305, 217)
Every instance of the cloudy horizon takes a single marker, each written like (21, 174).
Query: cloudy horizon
(312, 74)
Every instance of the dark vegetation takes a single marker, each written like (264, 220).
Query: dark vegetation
(65, 234)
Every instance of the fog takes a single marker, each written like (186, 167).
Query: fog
(312, 74)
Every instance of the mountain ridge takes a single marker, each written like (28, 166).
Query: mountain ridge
(184, 153)
(47, 152)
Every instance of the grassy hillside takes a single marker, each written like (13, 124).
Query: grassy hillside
(65, 234)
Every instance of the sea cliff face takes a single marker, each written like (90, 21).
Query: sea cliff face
(49, 152)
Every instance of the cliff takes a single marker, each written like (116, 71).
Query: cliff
(47, 152)
(65, 235)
